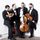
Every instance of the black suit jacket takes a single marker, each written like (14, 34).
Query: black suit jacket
(15, 17)
(4, 15)
(34, 15)
(25, 10)
(7, 21)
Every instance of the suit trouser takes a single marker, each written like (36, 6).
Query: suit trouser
(18, 30)
(32, 27)
(17, 27)
(10, 32)
(32, 32)
(10, 27)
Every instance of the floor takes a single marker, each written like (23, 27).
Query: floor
(26, 38)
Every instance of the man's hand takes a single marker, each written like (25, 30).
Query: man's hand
(27, 14)
(7, 16)
(12, 14)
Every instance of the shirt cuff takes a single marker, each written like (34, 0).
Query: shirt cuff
(33, 21)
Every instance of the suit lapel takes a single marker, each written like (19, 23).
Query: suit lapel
(32, 11)
(23, 10)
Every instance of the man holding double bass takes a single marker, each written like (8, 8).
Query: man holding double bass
(21, 12)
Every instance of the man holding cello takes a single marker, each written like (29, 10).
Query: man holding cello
(21, 12)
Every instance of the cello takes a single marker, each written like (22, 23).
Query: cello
(24, 27)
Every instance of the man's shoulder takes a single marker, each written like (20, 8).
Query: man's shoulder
(4, 11)
(25, 7)
(35, 10)
(17, 9)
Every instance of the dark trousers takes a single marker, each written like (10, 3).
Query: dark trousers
(21, 33)
(10, 33)
(17, 27)
(32, 26)
(10, 26)
(18, 30)
(32, 32)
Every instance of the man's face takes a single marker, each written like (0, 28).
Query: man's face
(22, 5)
(14, 7)
(8, 8)
(30, 6)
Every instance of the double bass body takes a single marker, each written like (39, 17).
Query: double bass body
(24, 27)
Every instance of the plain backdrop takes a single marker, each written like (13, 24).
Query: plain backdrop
(3, 28)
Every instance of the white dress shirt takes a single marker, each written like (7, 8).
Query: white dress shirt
(31, 10)
(21, 15)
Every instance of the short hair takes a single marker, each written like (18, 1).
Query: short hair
(30, 4)
(22, 3)
(13, 5)
(7, 6)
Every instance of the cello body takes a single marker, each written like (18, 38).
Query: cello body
(24, 27)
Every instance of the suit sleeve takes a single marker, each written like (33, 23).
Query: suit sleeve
(36, 16)
(26, 11)
(4, 15)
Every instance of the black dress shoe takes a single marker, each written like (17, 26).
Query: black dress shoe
(31, 36)
(22, 36)
(13, 39)
(9, 37)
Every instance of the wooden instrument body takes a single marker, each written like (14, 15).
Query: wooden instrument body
(9, 14)
(25, 27)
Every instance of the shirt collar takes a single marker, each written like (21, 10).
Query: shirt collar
(32, 8)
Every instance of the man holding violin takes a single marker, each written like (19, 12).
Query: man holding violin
(32, 23)
(8, 21)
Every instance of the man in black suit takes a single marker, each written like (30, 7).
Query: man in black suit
(33, 12)
(14, 9)
(21, 11)
(8, 21)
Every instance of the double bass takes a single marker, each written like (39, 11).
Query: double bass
(24, 27)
